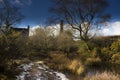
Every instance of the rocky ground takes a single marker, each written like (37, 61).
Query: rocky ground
(39, 71)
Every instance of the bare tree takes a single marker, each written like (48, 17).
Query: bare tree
(9, 14)
(82, 15)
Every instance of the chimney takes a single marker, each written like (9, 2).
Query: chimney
(61, 26)
(28, 28)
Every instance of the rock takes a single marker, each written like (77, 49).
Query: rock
(39, 71)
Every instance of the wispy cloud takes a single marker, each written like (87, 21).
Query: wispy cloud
(22, 2)
(29, 2)
(17, 2)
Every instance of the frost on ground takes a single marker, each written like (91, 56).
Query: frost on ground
(39, 71)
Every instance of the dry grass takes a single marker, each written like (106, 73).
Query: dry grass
(58, 61)
(103, 76)
(76, 67)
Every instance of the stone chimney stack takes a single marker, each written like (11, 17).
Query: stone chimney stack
(61, 26)
(28, 28)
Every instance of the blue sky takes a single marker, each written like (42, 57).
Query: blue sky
(36, 12)
(114, 9)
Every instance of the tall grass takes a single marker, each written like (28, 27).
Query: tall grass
(76, 66)
(102, 76)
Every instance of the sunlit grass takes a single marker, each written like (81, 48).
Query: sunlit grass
(103, 76)
(76, 67)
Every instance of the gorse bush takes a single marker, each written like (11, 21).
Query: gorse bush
(11, 45)
(115, 50)
(111, 54)
(83, 51)
(83, 48)
(89, 57)
(116, 58)
(60, 52)
(105, 54)
(12, 48)
(115, 46)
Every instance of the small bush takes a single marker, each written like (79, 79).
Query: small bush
(3, 77)
(11, 45)
(115, 46)
(93, 61)
(105, 54)
(41, 40)
(58, 60)
(116, 58)
(83, 48)
(115, 50)
(64, 42)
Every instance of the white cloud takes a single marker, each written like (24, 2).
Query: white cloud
(113, 28)
(106, 31)
(52, 30)
(32, 29)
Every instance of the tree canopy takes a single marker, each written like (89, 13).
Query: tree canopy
(82, 15)
(9, 14)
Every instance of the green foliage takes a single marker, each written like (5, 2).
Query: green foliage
(116, 58)
(83, 51)
(12, 47)
(111, 54)
(93, 58)
(115, 46)
(3, 77)
(58, 51)
(105, 54)
(9, 45)
(115, 49)
(44, 41)
(83, 48)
